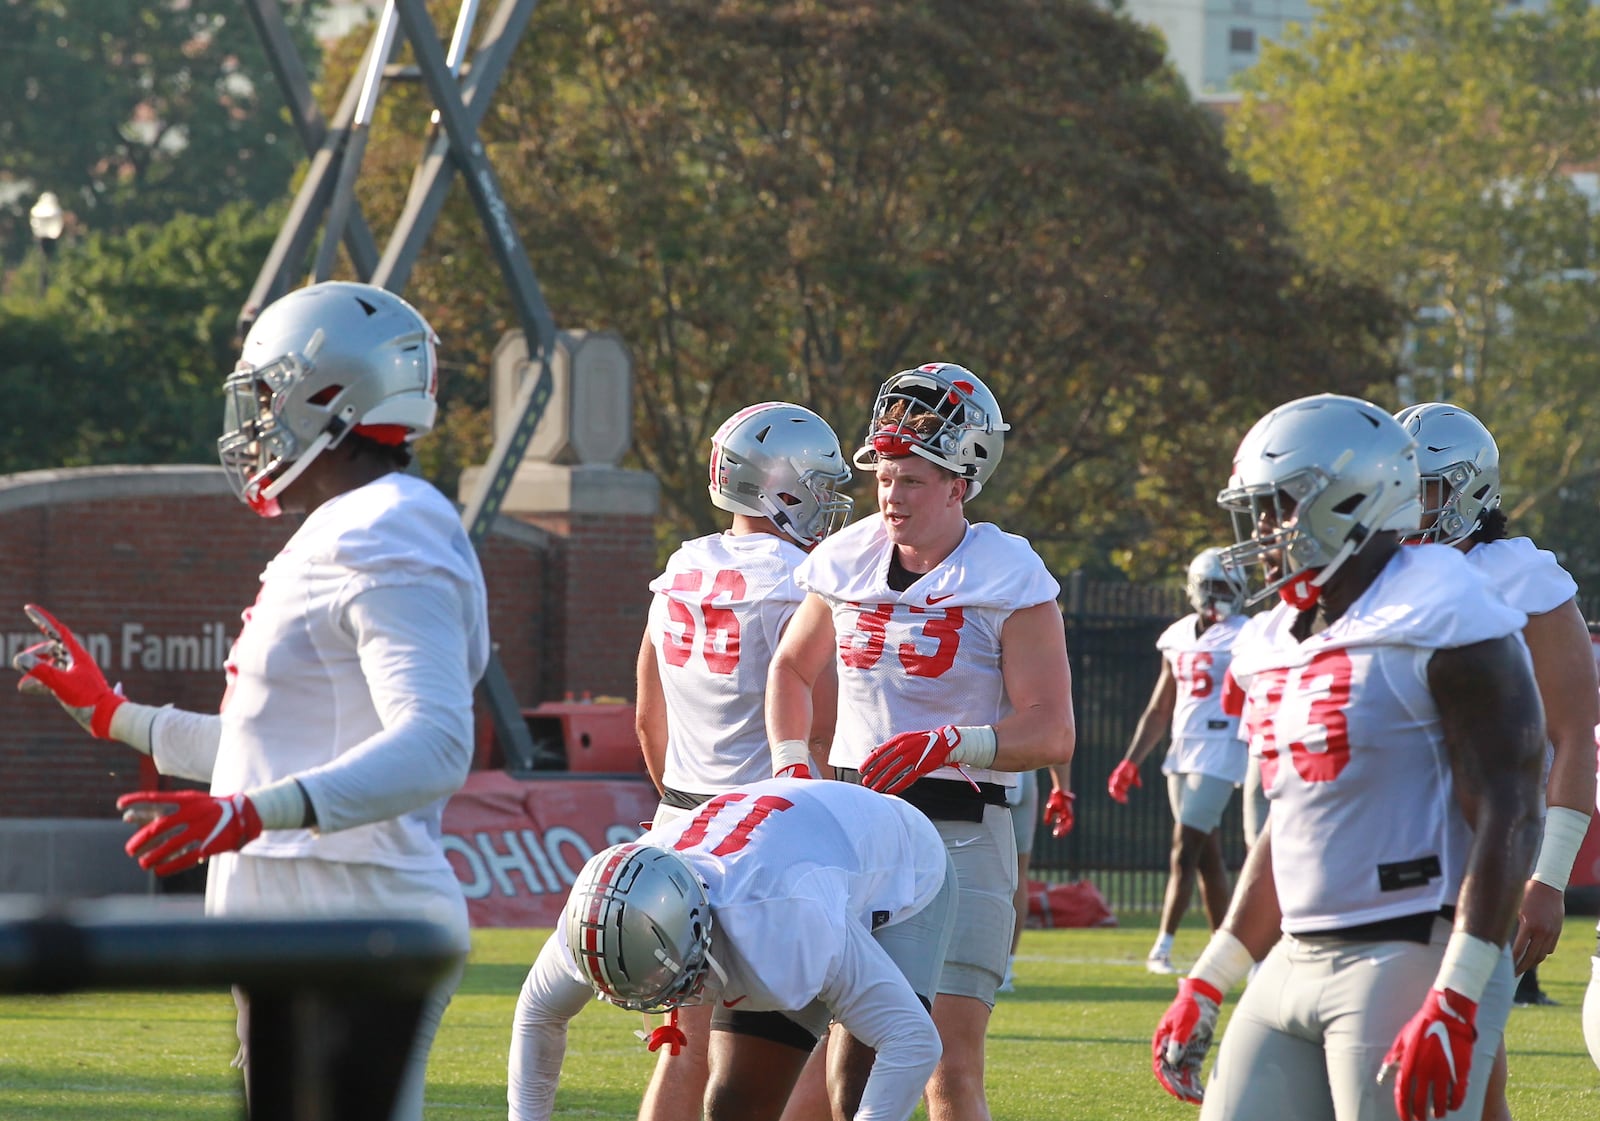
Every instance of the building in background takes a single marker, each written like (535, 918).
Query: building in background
(1210, 41)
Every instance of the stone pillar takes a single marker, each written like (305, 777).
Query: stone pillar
(601, 516)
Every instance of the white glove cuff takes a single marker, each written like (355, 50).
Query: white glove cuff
(1468, 962)
(283, 805)
(789, 753)
(1223, 963)
(134, 724)
(977, 747)
(1564, 830)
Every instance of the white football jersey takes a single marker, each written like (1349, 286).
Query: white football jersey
(1531, 580)
(715, 619)
(929, 655)
(1205, 739)
(313, 694)
(1350, 745)
(1525, 576)
(798, 874)
(787, 864)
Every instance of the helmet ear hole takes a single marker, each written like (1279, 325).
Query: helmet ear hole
(1349, 505)
(324, 395)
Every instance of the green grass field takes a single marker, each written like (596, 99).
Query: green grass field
(1071, 1042)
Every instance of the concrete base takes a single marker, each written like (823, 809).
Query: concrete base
(68, 858)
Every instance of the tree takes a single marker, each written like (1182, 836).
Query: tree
(135, 112)
(1429, 147)
(793, 201)
(122, 361)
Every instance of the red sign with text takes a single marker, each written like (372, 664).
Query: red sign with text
(517, 844)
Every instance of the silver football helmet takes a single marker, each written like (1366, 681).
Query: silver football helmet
(319, 363)
(1457, 453)
(638, 924)
(780, 461)
(968, 437)
(1215, 590)
(1312, 481)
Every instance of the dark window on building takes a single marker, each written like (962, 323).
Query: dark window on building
(1241, 40)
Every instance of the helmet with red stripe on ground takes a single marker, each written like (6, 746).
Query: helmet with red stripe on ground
(638, 924)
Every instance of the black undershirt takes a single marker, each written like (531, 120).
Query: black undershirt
(900, 577)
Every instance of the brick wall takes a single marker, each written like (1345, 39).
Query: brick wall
(603, 577)
(156, 563)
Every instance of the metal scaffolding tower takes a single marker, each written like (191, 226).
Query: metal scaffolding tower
(460, 89)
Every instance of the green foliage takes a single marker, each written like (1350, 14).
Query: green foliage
(1427, 147)
(132, 113)
(794, 201)
(1072, 1041)
(121, 360)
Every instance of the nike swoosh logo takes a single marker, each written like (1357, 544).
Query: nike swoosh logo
(933, 599)
(1438, 1029)
(731, 1003)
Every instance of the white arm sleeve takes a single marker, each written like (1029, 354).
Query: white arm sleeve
(550, 998)
(871, 998)
(413, 650)
(184, 744)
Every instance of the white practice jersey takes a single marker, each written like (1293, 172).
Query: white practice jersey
(1350, 744)
(354, 673)
(929, 655)
(1205, 739)
(798, 874)
(1531, 580)
(715, 620)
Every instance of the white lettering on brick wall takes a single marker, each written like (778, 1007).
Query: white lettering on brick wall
(136, 646)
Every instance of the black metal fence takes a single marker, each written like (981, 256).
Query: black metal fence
(1111, 641)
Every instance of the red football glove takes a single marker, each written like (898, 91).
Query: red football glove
(1432, 1054)
(199, 825)
(793, 770)
(61, 668)
(1178, 1049)
(901, 760)
(1123, 779)
(1058, 812)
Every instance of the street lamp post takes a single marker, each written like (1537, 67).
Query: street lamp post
(47, 221)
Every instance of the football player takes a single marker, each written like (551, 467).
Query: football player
(779, 905)
(951, 659)
(1460, 465)
(1389, 683)
(715, 618)
(1206, 758)
(347, 716)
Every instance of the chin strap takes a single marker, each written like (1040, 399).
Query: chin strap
(1302, 590)
(668, 1034)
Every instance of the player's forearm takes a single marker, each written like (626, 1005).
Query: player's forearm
(1254, 916)
(1572, 772)
(1504, 842)
(184, 744)
(1570, 799)
(900, 1073)
(655, 757)
(1146, 734)
(788, 706)
(548, 1001)
(1036, 736)
(397, 771)
(1061, 778)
